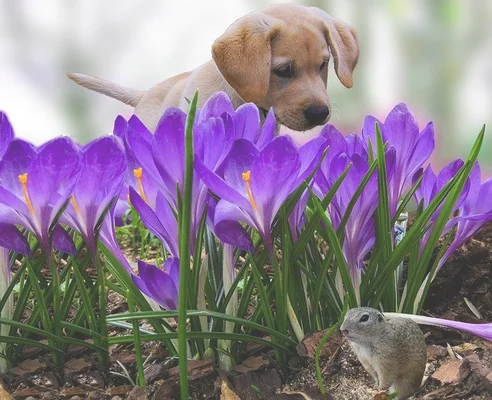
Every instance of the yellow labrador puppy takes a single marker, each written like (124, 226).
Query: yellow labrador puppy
(276, 57)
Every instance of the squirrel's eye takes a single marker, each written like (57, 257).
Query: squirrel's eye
(364, 318)
(284, 71)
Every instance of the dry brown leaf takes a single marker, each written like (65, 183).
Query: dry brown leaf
(196, 369)
(307, 347)
(28, 367)
(465, 348)
(252, 364)
(452, 371)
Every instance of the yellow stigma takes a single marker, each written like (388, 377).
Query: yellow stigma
(138, 172)
(247, 177)
(23, 180)
(75, 205)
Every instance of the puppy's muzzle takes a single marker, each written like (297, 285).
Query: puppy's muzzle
(317, 114)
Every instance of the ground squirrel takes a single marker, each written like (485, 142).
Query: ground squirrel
(392, 350)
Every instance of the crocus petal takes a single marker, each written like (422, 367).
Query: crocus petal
(122, 207)
(247, 122)
(267, 131)
(101, 180)
(168, 144)
(481, 330)
(227, 227)
(273, 176)
(52, 176)
(11, 238)
(296, 218)
(211, 146)
(7, 198)
(423, 149)
(138, 141)
(218, 104)
(239, 161)
(15, 162)
(355, 145)
(157, 285)
(369, 130)
(171, 267)
(219, 186)
(62, 241)
(151, 221)
(120, 127)
(6, 133)
(400, 130)
(310, 155)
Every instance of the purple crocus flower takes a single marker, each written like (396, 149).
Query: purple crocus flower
(431, 185)
(216, 126)
(474, 212)
(336, 144)
(10, 237)
(97, 189)
(137, 140)
(413, 148)
(160, 285)
(481, 330)
(359, 231)
(256, 184)
(35, 184)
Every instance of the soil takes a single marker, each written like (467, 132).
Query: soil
(459, 365)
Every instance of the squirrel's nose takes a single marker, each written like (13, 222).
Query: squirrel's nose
(344, 332)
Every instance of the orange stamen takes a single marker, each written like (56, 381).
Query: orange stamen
(138, 172)
(247, 177)
(23, 180)
(75, 205)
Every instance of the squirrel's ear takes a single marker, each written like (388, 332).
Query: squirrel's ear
(380, 318)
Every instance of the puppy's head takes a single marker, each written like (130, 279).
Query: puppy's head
(278, 57)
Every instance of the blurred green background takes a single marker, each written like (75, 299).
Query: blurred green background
(435, 55)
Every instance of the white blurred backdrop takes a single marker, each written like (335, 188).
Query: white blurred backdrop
(434, 55)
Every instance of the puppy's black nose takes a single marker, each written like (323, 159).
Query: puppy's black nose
(316, 114)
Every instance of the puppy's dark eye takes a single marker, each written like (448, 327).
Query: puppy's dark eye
(323, 65)
(285, 71)
(364, 318)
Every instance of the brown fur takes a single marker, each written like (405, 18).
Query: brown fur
(244, 60)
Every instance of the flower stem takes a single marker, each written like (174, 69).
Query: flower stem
(294, 321)
(55, 281)
(184, 250)
(103, 326)
(138, 343)
(7, 310)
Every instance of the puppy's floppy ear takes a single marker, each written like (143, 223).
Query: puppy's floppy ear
(344, 45)
(243, 55)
